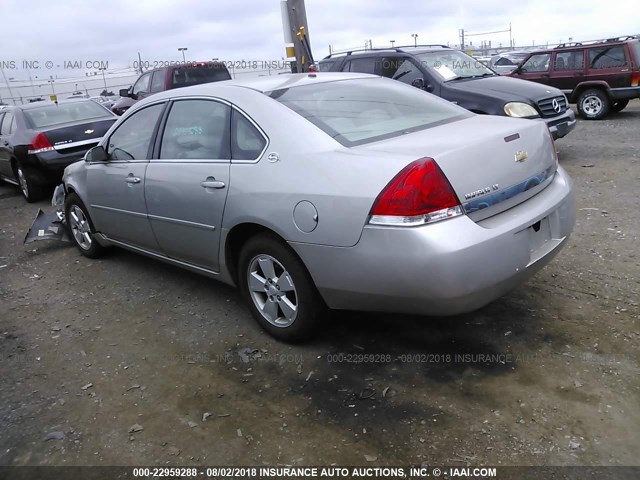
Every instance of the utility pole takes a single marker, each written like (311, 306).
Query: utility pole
(8, 87)
(462, 39)
(296, 32)
(140, 63)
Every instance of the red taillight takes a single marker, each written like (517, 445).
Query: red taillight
(419, 194)
(40, 144)
(635, 78)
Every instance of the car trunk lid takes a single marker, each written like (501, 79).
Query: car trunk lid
(66, 138)
(492, 163)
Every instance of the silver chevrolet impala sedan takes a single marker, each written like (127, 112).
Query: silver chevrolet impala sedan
(310, 191)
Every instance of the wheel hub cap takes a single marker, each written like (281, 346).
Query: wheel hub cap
(272, 290)
(80, 227)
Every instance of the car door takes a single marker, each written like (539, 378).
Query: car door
(535, 69)
(116, 186)
(7, 129)
(567, 70)
(186, 186)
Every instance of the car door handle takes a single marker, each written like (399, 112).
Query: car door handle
(132, 179)
(212, 183)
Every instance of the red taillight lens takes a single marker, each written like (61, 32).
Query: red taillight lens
(419, 194)
(40, 144)
(635, 78)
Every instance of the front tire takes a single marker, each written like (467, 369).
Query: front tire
(80, 227)
(31, 191)
(278, 289)
(619, 105)
(593, 104)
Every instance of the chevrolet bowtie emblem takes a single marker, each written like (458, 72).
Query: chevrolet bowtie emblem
(521, 156)
(88, 131)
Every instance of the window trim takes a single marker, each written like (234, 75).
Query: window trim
(154, 134)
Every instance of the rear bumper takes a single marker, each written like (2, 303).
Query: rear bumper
(447, 268)
(562, 124)
(48, 167)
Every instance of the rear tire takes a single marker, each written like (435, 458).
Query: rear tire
(31, 191)
(619, 105)
(278, 289)
(80, 227)
(593, 104)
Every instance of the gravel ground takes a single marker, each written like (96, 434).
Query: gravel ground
(127, 361)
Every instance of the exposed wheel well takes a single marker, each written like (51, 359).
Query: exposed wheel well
(575, 95)
(236, 239)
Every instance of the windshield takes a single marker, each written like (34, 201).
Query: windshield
(361, 111)
(52, 114)
(452, 64)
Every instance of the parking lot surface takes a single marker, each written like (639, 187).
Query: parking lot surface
(128, 361)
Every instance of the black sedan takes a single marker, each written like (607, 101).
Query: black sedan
(38, 140)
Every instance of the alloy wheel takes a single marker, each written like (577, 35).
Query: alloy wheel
(592, 105)
(80, 227)
(272, 290)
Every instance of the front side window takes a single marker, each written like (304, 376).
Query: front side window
(360, 111)
(132, 139)
(247, 143)
(452, 64)
(537, 63)
(142, 85)
(607, 57)
(197, 129)
(398, 68)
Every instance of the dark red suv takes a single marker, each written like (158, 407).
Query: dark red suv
(599, 76)
(169, 77)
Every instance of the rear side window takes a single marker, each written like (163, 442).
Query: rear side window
(361, 65)
(569, 60)
(197, 74)
(6, 125)
(326, 65)
(76, 110)
(196, 130)
(635, 50)
(157, 82)
(607, 57)
(247, 143)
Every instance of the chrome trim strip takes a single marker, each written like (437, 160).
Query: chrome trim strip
(508, 192)
(118, 210)
(76, 144)
(181, 222)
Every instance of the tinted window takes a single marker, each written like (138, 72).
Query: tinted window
(537, 63)
(247, 142)
(635, 50)
(157, 83)
(142, 85)
(450, 64)
(194, 75)
(607, 57)
(52, 114)
(1, 117)
(361, 65)
(366, 110)
(401, 69)
(196, 129)
(132, 139)
(5, 126)
(569, 60)
(326, 65)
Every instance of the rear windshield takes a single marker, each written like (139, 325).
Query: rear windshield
(52, 114)
(195, 75)
(361, 111)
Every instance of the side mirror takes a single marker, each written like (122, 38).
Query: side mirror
(124, 92)
(429, 88)
(96, 154)
(418, 83)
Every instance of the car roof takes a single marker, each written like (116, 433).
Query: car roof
(262, 84)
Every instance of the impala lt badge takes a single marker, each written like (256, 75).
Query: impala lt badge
(521, 155)
(482, 191)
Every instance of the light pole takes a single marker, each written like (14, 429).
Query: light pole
(51, 82)
(183, 49)
(102, 69)
(415, 39)
(392, 42)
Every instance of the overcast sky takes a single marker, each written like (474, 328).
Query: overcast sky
(116, 30)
